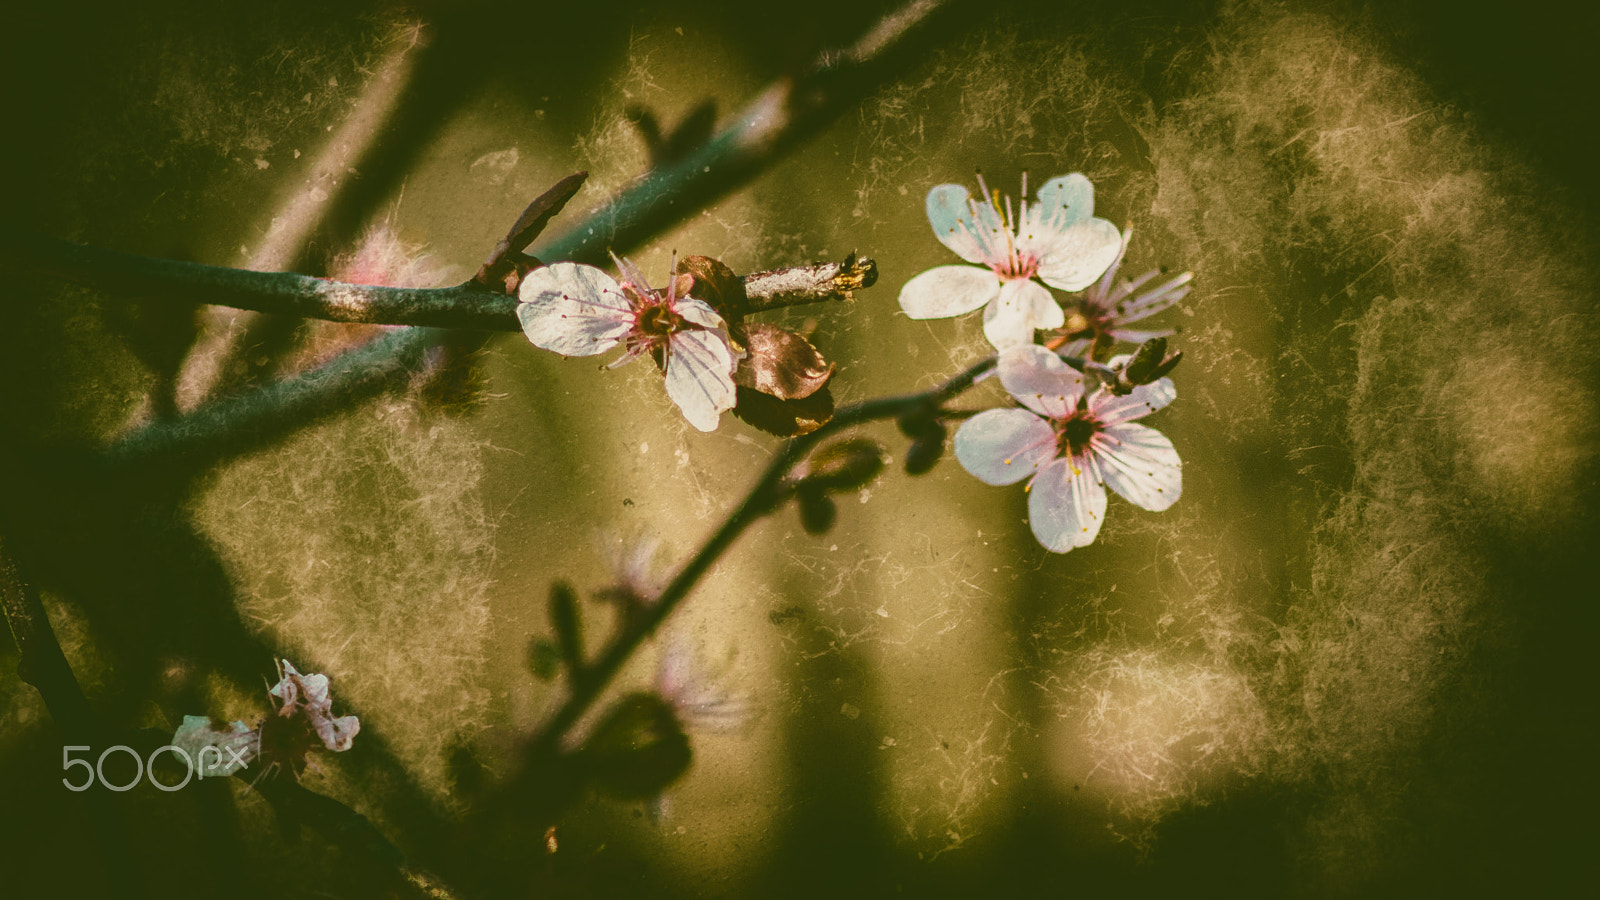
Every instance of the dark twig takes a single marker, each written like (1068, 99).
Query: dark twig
(45, 666)
(776, 122)
(764, 497)
(464, 306)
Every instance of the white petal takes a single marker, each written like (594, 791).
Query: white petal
(1066, 504)
(700, 376)
(1155, 300)
(1004, 446)
(973, 239)
(947, 291)
(573, 309)
(1140, 464)
(1040, 380)
(699, 312)
(1021, 308)
(1142, 401)
(1045, 312)
(1064, 201)
(1081, 255)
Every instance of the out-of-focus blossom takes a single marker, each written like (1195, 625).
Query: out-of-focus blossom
(697, 692)
(1105, 310)
(578, 310)
(1057, 240)
(217, 751)
(304, 719)
(1071, 446)
(306, 697)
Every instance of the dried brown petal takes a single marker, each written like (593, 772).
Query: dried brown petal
(714, 283)
(780, 363)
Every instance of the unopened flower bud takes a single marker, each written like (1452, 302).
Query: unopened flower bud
(926, 451)
(817, 510)
(845, 465)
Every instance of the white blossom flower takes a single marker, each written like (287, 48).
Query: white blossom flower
(578, 310)
(307, 696)
(1057, 240)
(1073, 447)
(1105, 310)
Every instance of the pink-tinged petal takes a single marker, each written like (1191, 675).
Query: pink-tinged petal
(947, 291)
(700, 376)
(1140, 464)
(1103, 289)
(973, 238)
(699, 312)
(1154, 300)
(1066, 504)
(1081, 255)
(1131, 336)
(1078, 348)
(1004, 446)
(1140, 402)
(1040, 380)
(573, 309)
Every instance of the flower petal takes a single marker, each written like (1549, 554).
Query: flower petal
(948, 291)
(1004, 446)
(573, 309)
(1040, 380)
(1154, 300)
(1066, 504)
(1140, 464)
(699, 312)
(1064, 201)
(700, 376)
(1021, 308)
(1081, 255)
(950, 212)
(1140, 402)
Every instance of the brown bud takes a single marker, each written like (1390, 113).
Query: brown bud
(845, 465)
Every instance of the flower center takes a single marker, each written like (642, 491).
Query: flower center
(658, 321)
(1074, 433)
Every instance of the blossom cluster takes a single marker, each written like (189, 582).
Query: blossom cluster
(303, 720)
(1071, 438)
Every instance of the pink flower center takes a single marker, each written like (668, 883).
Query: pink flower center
(1016, 266)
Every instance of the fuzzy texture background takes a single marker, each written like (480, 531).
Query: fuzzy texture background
(1353, 660)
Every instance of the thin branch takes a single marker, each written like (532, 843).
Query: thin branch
(764, 497)
(773, 124)
(463, 306)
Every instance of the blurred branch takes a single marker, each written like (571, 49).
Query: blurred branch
(329, 189)
(45, 666)
(462, 306)
(773, 124)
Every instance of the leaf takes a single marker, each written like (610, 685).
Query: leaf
(639, 749)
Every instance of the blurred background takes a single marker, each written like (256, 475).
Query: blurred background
(1354, 659)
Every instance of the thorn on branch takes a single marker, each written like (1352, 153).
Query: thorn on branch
(507, 259)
